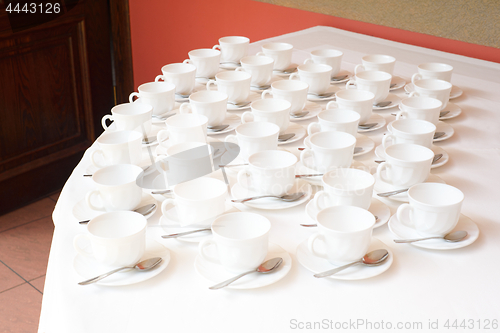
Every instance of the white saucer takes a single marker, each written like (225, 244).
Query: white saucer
(313, 108)
(267, 86)
(374, 118)
(377, 208)
(454, 93)
(464, 223)
(252, 97)
(88, 267)
(215, 273)
(331, 89)
(357, 272)
(342, 72)
(232, 120)
(379, 152)
(382, 187)
(83, 212)
(271, 203)
(171, 219)
(305, 169)
(281, 74)
(398, 81)
(365, 143)
(395, 100)
(454, 109)
(446, 128)
(299, 131)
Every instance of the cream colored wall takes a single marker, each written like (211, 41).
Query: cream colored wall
(473, 21)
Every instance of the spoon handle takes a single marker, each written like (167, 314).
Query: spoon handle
(102, 276)
(336, 270)
(388, 194)
(231, 280)
(254, 198)
(415, 240)
(180, 234)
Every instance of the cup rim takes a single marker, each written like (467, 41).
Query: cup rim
(280, 104)
(235, 214)
(430, 127)
(277, 46)
(406, 146)
(178, 68)
(203, 120)
(215, 182)
(445, 67)
(98, 173)
(313, 68)
(133, 214)
(167, 87)
(385, 59)
(285, 154)
(301, 84)
(198, 53)
(340, 208)
(124, 133)
(416, 187)
(142, 109)
(366, 175)
(242, 127)
(327, 53)
(373, 76)
(410, 103)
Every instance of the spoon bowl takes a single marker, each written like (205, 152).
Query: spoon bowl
(286, 197)
(373, 258)
(299, 114)
(217, 128)
(285, 137)
(144, 210)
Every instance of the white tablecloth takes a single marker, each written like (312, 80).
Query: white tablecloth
(421, 286)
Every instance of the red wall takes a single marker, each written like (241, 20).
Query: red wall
(164, 31)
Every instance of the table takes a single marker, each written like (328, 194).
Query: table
(422, 288)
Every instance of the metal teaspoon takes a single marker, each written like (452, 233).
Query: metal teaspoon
(144, 210)
(455, 236)
(373, 258)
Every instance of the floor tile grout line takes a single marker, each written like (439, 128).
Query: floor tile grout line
(20, 225)
(14, 271)
(13, 287)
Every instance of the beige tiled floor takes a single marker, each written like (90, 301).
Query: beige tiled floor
(25, 238)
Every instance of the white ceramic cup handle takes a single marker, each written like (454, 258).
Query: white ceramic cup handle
(185, 108)
(260, 54)
(187, 61)
(313, 128)
(166, 203)
(162, 136)
(293, 76)
(321, 195)
(381, 167)
(359, 68)
(400, 213)
(88, 200)
(308, 61)
(103, 121)
(131, 96)
(247, 117)
(210, 82)
(413, 93)
(216, 47)
(265, 93)
(201, 249)
(310, 245)
(351, 84)
(332, 105)
(386, 138)
(159, 77)
(305, 153)
(93, 160)
(78, 248)
(416, 77)
(243, 176)
(401, 114)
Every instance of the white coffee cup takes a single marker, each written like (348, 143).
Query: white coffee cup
(254, 137)
(117, 239)
(423, 108)
(280, 52)
(346, 232)
(232, 48)
(416, 131)
(207, 62)
(197, 200)
(119, 147)
(183, 76)
(335, 120)
(345, 186)
(241, 241)
(376, 62)
(329, 150)
(317, 76)
(376, 82)
(406, 165)
(235, 84)
(433, 88)
(160, 95)
(359, 101)
(293, 91)
(259, 67)
(276, 111)
(211, 104)
(184, 128)
(433, 70)
(116, 188)
(433, 209)
(131, 117)
(269, 172)
(332, 58)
